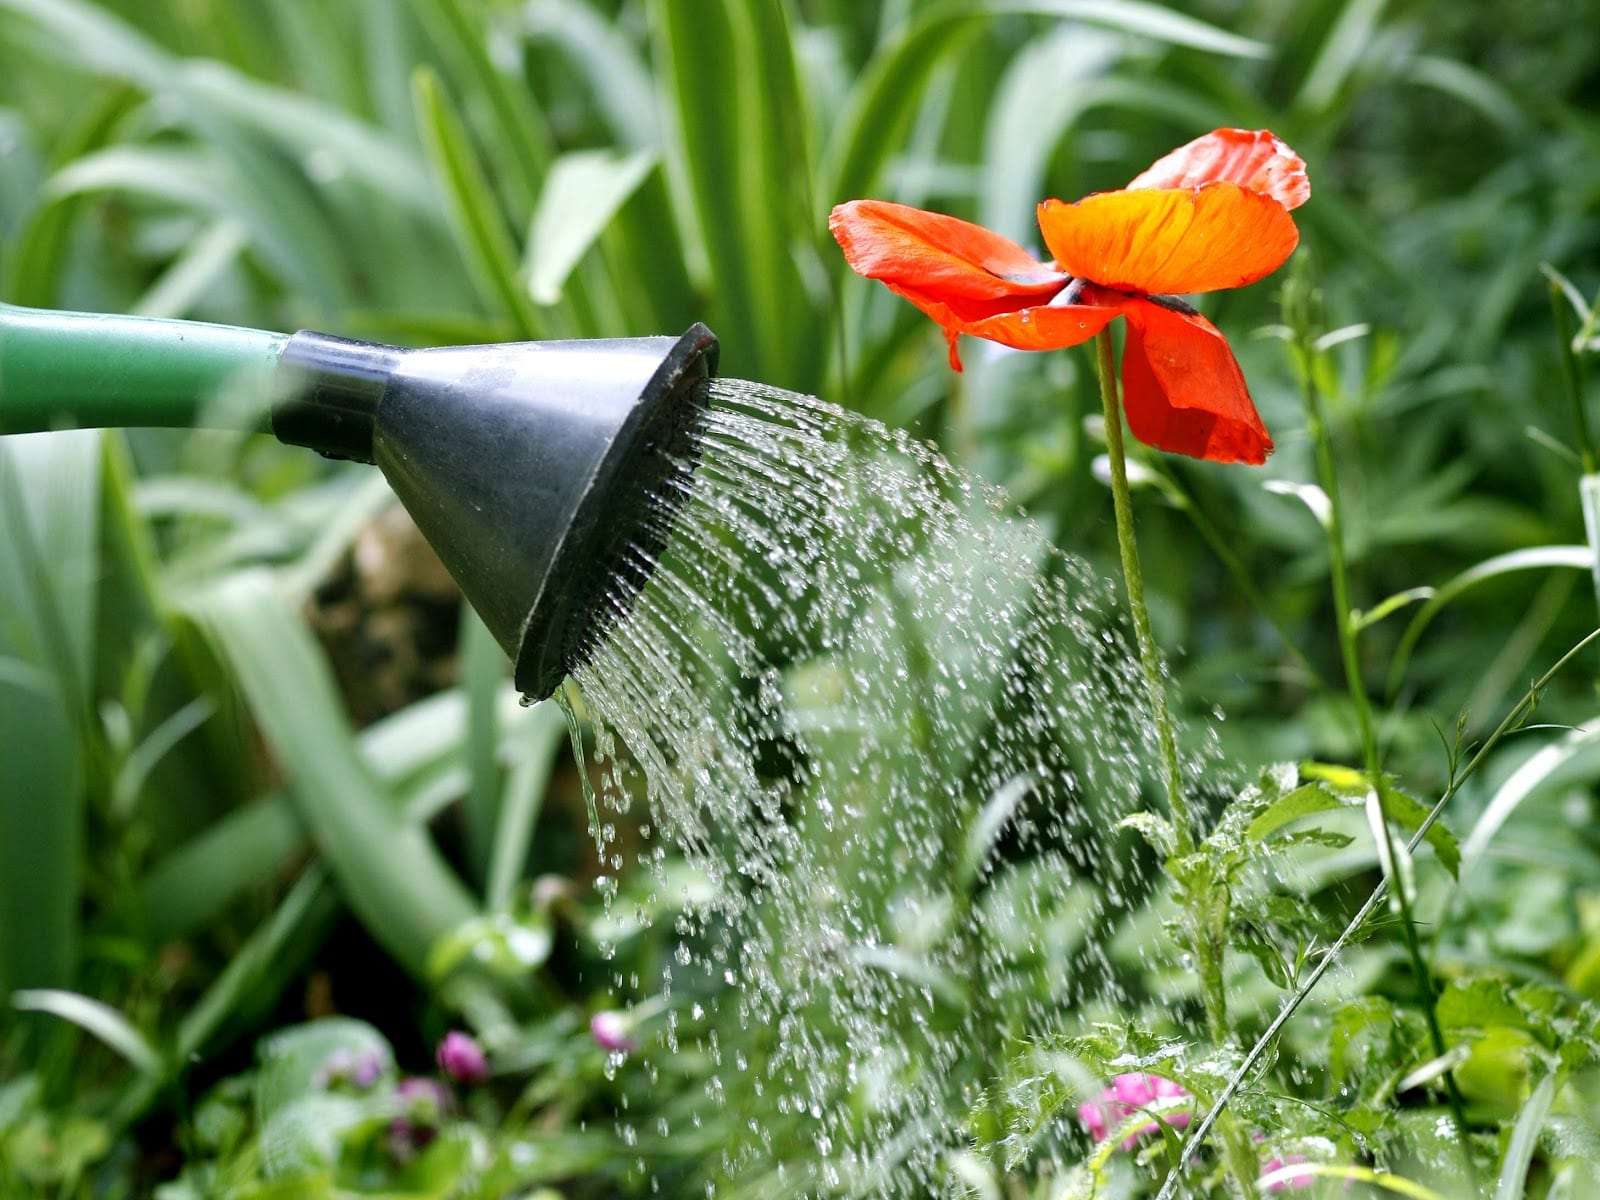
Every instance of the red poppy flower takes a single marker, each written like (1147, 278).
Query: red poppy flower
(1212, 214)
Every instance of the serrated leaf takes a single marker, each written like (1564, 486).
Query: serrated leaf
(1156, 830)
(1304, 801)
(1409, 813)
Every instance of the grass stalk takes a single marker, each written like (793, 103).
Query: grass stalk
(1344, 620)
(1572, 377)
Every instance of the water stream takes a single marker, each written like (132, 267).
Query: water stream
(891, 730)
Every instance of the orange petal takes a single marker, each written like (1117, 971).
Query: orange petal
(1037, 327)
(1253, 158)
(1045, 327)
(936, 255)
(1183, 390)
(1162, 240)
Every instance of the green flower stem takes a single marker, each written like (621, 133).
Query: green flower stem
(1205, 935)
(1344, 615)
(1133, 579)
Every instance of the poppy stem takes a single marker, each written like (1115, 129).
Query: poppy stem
(1344, 619)
(1133, 583)
(1207, 921)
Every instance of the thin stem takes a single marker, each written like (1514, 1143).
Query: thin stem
(1133, 581)
(1344, 620)
(1572, 377)
(1192, 1144)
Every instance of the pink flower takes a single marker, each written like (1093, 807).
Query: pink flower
(1126, 1095)
(461, 1058)
(610, 1031)
(1298, 1180)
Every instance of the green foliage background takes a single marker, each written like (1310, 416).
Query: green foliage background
(190, 826)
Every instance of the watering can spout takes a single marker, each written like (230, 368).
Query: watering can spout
(529, 466)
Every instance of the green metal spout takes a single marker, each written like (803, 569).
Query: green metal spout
(62, 370)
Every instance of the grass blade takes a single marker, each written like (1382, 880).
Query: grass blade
(1534, 558)
(481, 232)
(584, 191)
(1524, 1140)
(519, 135)
(40, 831)
(389, 872)
(733, 90)
(483, 671)
(535, 752)
(92, 1016)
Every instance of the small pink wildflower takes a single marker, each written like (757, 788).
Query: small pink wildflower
(1126, 1095)
(610, 1031)
(461, 1058)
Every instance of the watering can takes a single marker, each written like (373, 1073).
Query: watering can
(528, 466)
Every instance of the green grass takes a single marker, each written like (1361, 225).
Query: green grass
(194, 833)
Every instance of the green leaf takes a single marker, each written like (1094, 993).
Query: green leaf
(583, 192)
(36, 255)
(483, 673)
(95, 1017)
(1524, 1140)
(388, 870)
(1409, 813)
(480, 228)
(300, 1123)
(879, 110)
(602, 53)
(1535, 558)
(737, 111)
(40, 829)
(1393, 604)
(1537, 772)
(507, 945)
(1303, 801)
(535, 751)
(1297, 1173)
(516, 131)
(1155, 829)
(990, 822)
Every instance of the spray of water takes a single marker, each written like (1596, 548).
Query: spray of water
(893, 731)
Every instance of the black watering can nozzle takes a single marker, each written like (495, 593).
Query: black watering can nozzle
(530, 467)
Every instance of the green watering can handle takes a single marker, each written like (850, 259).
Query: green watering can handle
(64, 370)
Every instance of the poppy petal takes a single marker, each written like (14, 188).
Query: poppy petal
(1162, 240)
(1045, 327)
(1253, 158)
(1037, 327)
(1183, 390)
(939, 256)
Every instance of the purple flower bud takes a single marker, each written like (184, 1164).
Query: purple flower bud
(461, 1058)
(610, 1031)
